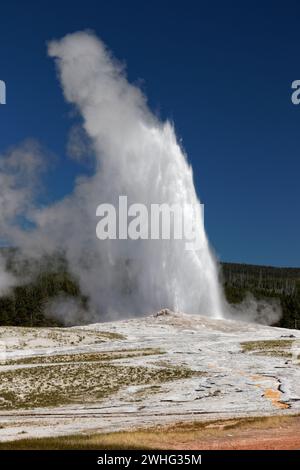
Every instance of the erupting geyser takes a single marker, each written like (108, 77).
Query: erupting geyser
(134, 155)
(138, 156)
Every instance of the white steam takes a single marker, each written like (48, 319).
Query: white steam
(137, 156)
(68, 310)
(134, 155)
(7, 280)
(20, 169)
(265, 311)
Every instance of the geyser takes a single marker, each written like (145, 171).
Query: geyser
(138, 156)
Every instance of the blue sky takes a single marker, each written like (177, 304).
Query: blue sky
(222, 71)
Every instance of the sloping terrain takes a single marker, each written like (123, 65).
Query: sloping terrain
(161, 369)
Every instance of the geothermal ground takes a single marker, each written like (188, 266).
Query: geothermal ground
(162, 369)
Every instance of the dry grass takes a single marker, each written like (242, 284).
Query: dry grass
(85, 357)
(280, 347)
(18, 338)
(81, 382)
(176, 436)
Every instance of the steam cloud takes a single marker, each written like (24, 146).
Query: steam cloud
(263, 311)
(7, 280)
(135, 155)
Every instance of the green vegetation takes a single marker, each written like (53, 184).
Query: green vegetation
(48, 278)
(265, 282)
(40, 281)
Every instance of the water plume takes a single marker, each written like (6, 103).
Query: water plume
(134, 154)
(138, 156)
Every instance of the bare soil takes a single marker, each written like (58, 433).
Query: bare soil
(273, 433)
(285, 436)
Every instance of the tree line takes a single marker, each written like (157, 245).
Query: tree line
(43, 280)
(265, 282)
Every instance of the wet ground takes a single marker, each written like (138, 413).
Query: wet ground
(229, 380)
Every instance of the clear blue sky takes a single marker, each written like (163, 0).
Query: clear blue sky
(221, 70)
